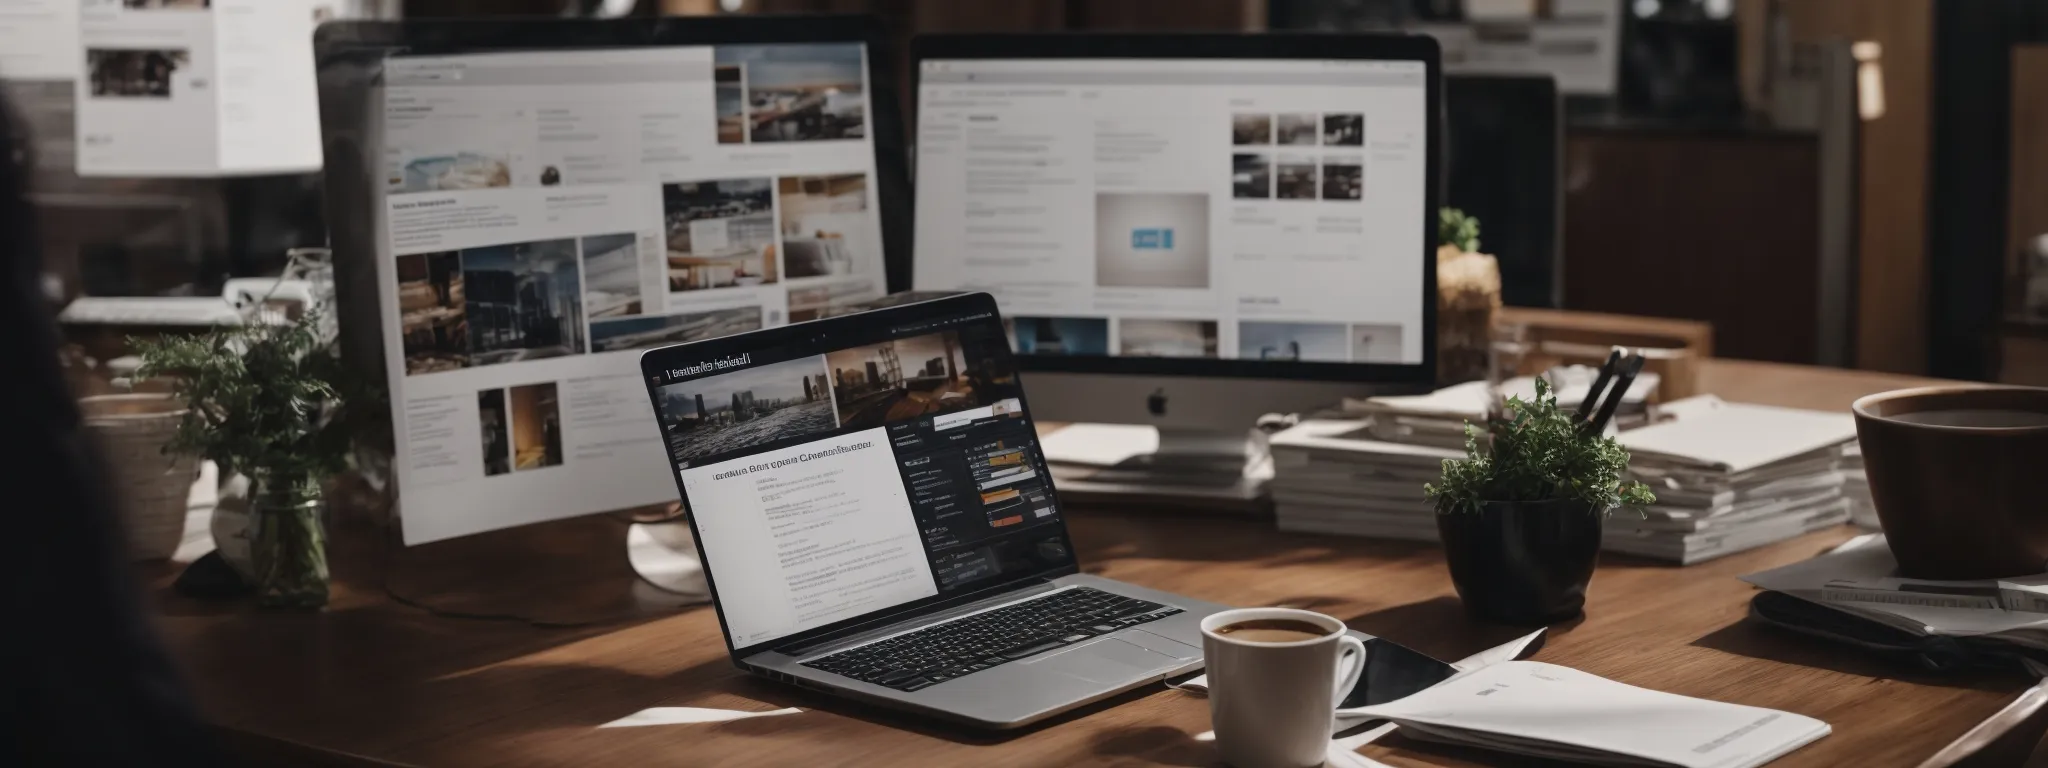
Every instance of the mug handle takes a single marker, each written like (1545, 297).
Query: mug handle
(1350, 659)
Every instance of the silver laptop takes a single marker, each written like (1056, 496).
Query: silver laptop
(876, 520)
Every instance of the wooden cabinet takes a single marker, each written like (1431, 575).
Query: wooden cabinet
(1719, 226)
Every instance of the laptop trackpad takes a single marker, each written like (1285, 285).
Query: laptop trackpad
(1105, 661)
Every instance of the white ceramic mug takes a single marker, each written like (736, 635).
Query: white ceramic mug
(1271, 703)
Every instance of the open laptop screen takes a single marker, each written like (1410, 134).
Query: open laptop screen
(838, 469)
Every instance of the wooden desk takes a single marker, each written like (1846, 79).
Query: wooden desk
(374, 678)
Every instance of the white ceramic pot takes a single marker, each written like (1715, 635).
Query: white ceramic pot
(132, 430)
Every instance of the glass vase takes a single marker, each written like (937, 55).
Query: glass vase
(289, 545)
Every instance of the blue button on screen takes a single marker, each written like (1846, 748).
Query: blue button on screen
(1160, 238)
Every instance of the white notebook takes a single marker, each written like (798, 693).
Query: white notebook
(1544, 710)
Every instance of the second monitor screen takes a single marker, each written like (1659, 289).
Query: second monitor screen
(1226, 208)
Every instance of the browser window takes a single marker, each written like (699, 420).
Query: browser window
(1207, 208)
(547, 215)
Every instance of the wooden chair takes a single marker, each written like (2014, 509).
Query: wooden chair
(2004, 740)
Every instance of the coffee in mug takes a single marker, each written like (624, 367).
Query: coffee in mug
(1976, 418)
(1272, 631)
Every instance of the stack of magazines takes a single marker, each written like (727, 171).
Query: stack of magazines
(1728, 477)
(1336, 476)
(1361, 472)
(1732, 477)
(1854, 595)
(1439, 418)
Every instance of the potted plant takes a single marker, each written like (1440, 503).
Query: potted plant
(266, 401)
(1468, 297)
(1520, 518)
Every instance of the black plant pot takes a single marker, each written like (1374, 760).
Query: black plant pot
(1522, 562)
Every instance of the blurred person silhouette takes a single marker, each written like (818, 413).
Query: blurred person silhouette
(86, 682)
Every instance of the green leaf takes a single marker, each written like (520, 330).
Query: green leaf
(261, 396)
(1455, 228)
(1537, 453)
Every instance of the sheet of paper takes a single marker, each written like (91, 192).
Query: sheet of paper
(1505, 652)
(690, 715)
(1740, 437)
(1099, 445)
(39, 40)
(1468, 400)
(1343, 752)
(1527, 705)
(197, 88)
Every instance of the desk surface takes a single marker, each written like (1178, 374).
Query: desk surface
(375, 678)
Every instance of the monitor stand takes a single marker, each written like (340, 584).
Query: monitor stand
(1167, 466)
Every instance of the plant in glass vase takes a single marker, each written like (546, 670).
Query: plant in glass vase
(1520, 515)
(267, 401)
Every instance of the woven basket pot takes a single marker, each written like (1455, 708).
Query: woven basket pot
(153, 486)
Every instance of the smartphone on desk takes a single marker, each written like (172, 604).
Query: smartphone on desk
(1393, 671)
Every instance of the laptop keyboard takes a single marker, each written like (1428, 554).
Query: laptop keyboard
(967, 645)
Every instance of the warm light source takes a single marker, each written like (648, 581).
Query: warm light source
(1869, 78)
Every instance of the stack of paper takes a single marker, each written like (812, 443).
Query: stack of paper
(1856, 488)
(1439, 418)
(1860, 579)
(1335, 476)
(1731, 477)
(1544, 710)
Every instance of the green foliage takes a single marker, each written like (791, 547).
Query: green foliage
(1539, 454)
(1453, 227)
(265, 399)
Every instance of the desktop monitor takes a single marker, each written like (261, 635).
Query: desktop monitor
(1503, 144)
(1187, 231)
(520, 207)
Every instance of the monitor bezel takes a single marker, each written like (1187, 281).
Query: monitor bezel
(1332, 46)
(853, 330)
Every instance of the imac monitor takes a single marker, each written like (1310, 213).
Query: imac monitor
(1187, 231)
(520, 207)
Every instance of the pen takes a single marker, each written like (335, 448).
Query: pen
(1621, 385)
(1599, 384)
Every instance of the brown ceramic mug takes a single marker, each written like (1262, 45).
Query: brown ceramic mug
(1960, 478)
